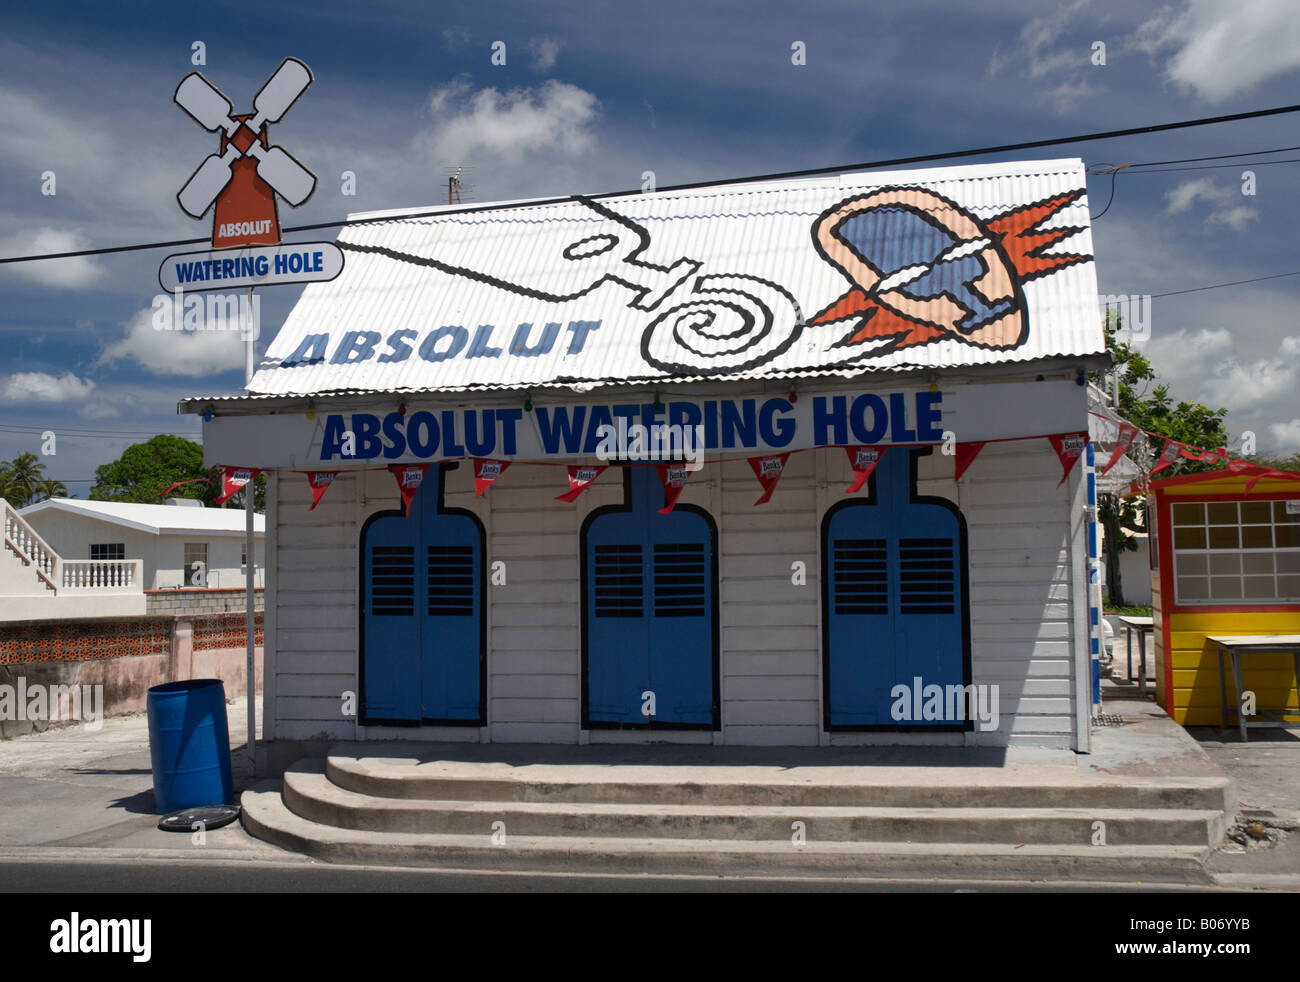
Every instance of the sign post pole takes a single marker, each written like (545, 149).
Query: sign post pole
(250, 563)
(240, 184)
(250, 567)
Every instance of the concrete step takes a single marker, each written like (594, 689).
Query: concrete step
(266, 816)
(309, 793)
(882, 787)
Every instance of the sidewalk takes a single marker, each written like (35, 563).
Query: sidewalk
(68, 794)
(1266, 771)
(71, 789)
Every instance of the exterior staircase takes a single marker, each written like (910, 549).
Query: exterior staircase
(34, 569)
(597, 810)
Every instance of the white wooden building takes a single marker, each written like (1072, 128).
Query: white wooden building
(933, 319)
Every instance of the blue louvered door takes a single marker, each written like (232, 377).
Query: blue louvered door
(895, 602)
(649, 611)
(423, 623)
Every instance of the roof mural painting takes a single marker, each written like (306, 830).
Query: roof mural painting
(659, 287)
(946, 274)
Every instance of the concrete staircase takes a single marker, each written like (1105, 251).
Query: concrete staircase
(870, 820)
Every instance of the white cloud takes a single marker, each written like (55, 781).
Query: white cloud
(23, 388)
(1286, 436)
(1236, 218)
(73, 274)
(545, 51)
(192, 353)
(1043, 54)
(1220, 50)
(553, 117)
(1225, 201)
(1202, 364)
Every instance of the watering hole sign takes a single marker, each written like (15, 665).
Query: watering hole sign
(298, 262)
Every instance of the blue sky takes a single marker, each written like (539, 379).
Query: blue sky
(591, 96)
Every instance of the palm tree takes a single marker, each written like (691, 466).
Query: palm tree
(49, 488)
(23, 481)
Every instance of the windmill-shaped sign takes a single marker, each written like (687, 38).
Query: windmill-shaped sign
(239, 184)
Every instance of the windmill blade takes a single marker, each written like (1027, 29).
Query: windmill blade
(206, 183)
(290, 179)
(280, 92)
(205, 103)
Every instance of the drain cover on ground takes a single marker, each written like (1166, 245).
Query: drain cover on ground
(192, 819)
(1107, 719)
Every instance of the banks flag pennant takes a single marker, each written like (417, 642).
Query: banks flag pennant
(674, 478)
(409, 478)
(768, 471)
(1167, 456)
(487, 471)
(1205, 456)
(1237, 466)
(1069, 448)
(863, 460)
(580, 478)
(318, 481)
(232, 479)
(966, 454)
(1256, 472)
(1127, 434)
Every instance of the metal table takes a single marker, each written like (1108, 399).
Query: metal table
(1144, 626)
(1237, 645)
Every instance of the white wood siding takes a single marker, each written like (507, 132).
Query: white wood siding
(1022, 614)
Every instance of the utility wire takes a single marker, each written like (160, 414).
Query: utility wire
(783, 175)
(1244, 163)
(1219, 156)
(1220, 286)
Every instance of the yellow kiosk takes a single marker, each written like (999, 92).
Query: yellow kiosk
(1225, 589)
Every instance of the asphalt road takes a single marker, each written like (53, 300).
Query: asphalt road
(89, 875)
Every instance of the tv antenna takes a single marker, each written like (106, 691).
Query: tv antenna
(456, 184)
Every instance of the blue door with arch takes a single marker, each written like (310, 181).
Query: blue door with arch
(649, 612)
(895, 600)
(423, 627)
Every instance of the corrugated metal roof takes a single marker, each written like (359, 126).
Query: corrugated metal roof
(938, 268)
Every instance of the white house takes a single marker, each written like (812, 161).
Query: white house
(178, 546)
(900, 358)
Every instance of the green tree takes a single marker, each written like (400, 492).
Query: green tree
(50, 488)
(23, 481)
(1146, 403)
(147, 469)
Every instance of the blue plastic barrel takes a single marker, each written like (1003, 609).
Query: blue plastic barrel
(189, 744)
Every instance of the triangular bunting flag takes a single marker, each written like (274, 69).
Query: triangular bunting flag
(1256, 472)
(319, 481)
(1205, 456)
(966, 454)
(768, 471)
(863, 460)
(1069, 448)
(580, 478)
(1167, 456)
(674, 477)
(1127, 434)
(487, 471)
(232, 479)
(1237, 466)
(409, 478)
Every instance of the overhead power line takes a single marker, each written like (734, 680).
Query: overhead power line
(782, 175)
